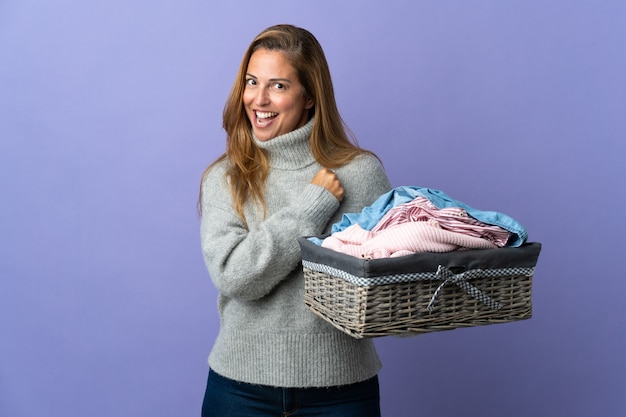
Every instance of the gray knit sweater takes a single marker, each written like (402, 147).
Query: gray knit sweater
(267, 336)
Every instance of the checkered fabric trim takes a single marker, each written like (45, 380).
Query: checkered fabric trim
(442, 274)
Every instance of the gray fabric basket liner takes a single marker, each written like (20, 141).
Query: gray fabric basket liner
(458, 261)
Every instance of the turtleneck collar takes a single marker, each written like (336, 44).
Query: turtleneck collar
(291, 150)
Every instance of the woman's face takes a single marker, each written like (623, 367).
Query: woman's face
(274, 99)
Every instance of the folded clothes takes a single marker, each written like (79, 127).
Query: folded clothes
(402, 239)
(454, 219)
(372, 215)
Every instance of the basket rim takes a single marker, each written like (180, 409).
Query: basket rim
(415, 276)
(524, 256)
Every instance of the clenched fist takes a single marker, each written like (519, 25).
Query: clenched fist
(328, 179)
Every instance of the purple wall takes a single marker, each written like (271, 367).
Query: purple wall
(109, 111)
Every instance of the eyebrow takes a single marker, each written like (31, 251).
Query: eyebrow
(271, 79)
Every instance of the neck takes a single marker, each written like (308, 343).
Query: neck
(291, 150)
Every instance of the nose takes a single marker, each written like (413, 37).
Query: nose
(262, 97)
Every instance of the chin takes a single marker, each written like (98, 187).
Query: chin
(264, 136)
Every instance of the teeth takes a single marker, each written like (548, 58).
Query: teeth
(265, 115)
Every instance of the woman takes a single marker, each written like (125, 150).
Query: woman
(289, 170)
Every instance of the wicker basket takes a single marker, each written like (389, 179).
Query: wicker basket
(418, 293)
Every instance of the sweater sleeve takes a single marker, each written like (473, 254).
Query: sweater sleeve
(248, 264)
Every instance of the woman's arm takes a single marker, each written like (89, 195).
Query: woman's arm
(248, 264)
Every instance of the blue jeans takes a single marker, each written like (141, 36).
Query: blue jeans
(225, 397)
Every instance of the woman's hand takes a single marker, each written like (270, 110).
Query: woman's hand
(328, 179)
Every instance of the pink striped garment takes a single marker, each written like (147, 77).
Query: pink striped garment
(454, 219)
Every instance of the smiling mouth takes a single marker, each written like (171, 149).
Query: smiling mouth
(265, 117)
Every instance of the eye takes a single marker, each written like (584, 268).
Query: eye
(279, 86)
(250, 81)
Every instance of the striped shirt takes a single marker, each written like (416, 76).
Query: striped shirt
(417, 226)
(453, 219)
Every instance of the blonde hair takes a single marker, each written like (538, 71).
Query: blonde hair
(330, 145)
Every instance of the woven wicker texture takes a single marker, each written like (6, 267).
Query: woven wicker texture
(402, 308)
